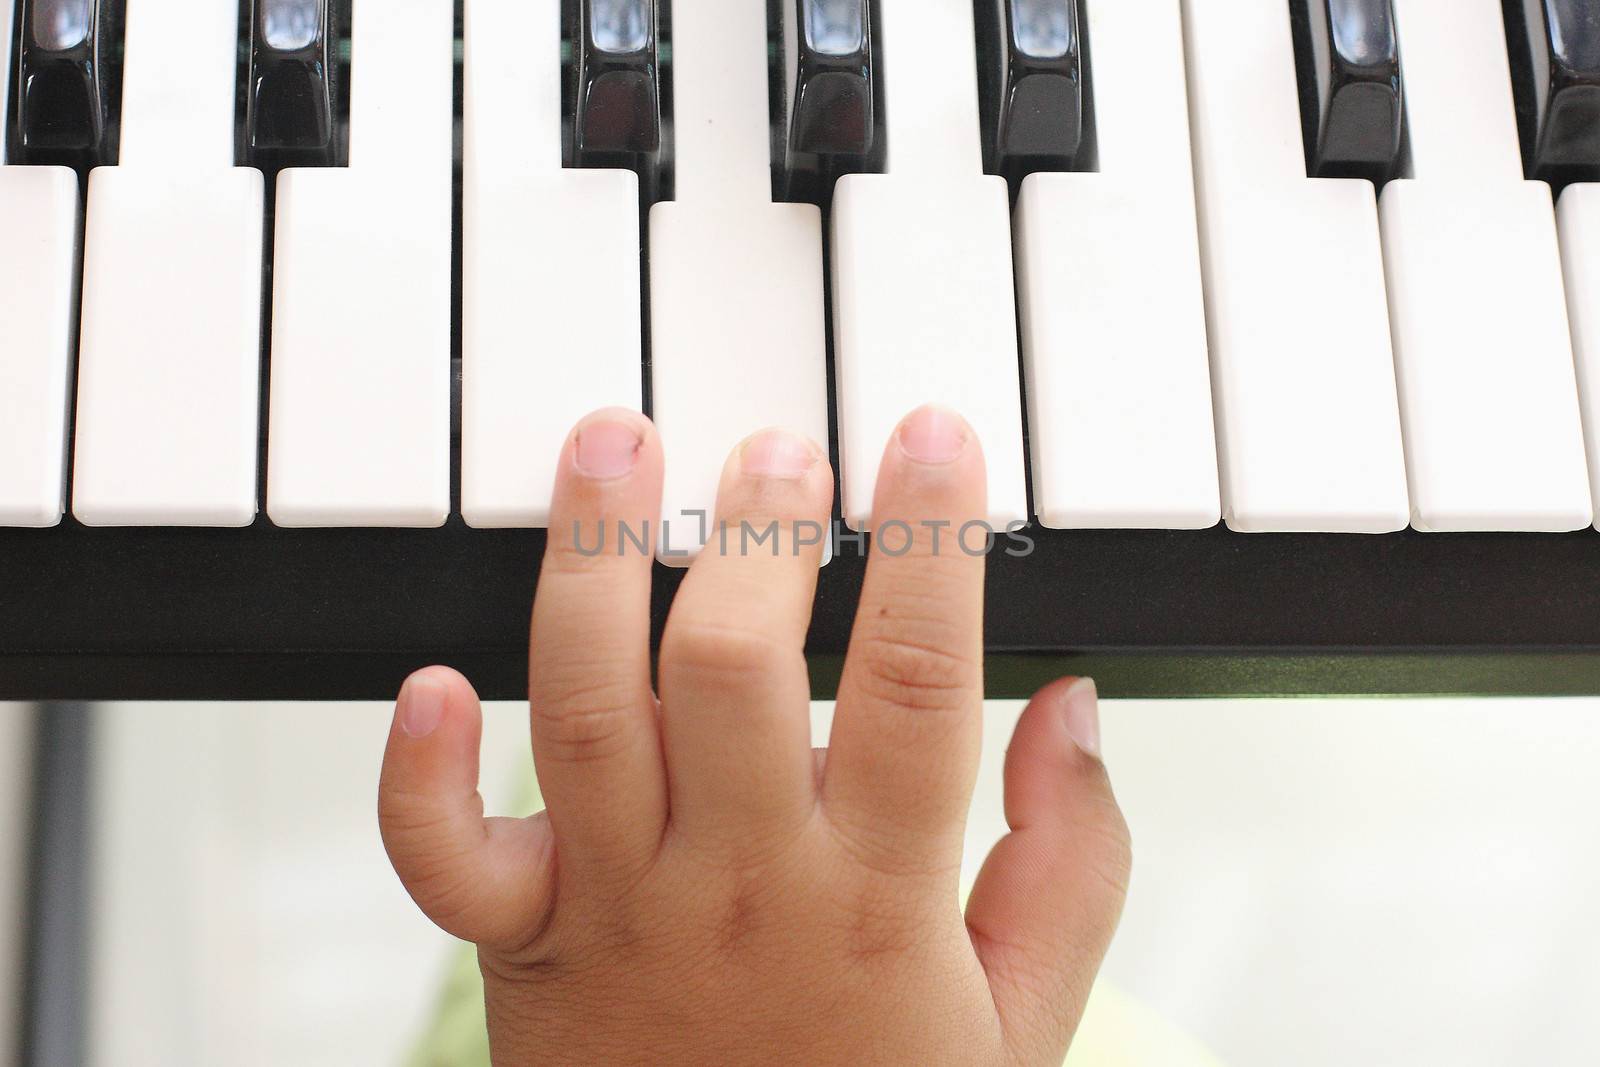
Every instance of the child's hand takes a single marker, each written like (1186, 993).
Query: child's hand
(704, 888)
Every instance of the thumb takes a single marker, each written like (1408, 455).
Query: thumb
(489, 881)
(1049, 896)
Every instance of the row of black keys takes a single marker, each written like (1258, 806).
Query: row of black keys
(1035, 85)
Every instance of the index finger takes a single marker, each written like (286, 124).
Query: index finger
(903, 755)
(595, 741)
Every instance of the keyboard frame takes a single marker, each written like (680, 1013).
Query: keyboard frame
(271, 614)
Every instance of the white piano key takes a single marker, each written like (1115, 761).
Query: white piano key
(38, 261)
(551, 317)
(169, 365)
(1110, 299)
(1483, 352)
(1578, 215)
(38, 277)
(738, 330)
(360, 358)
(924, 308)
(1307, 421)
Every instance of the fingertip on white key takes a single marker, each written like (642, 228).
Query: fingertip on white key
(925, 312)
(545, 339)
(738, 343)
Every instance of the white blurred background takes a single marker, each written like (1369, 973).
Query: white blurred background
(1317, 882)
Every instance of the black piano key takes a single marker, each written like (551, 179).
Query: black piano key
(67, 82)
(618, 97)
(1351, 91)
(1555, 69)
(1032, 83)
(829, 88)
(291, 117)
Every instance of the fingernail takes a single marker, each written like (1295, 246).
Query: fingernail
(421, 705)
(1080, 710)
(778, 454)
(933, 435)
(606, 448)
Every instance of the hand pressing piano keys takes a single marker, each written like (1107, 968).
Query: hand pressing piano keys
(724, 894)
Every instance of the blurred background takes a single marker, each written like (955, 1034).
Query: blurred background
(1317, 882)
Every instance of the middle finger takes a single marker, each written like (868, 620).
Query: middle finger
(733, 681)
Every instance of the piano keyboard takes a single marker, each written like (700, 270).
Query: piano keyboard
(1277, 320)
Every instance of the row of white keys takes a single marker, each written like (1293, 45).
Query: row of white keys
(1308, 427)
(169, 365)
(551, 317)
(1482, 347)
(1305, 397)
(924, 305)
(38, 282)
(360, 397)
(1110, 299)
(738, 334)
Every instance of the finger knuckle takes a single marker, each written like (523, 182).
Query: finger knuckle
(406, 814)
(446, 892)
(703, 648)
(585, 723)
(916, 674)
(430, 859)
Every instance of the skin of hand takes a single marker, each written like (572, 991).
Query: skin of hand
(703, 887)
